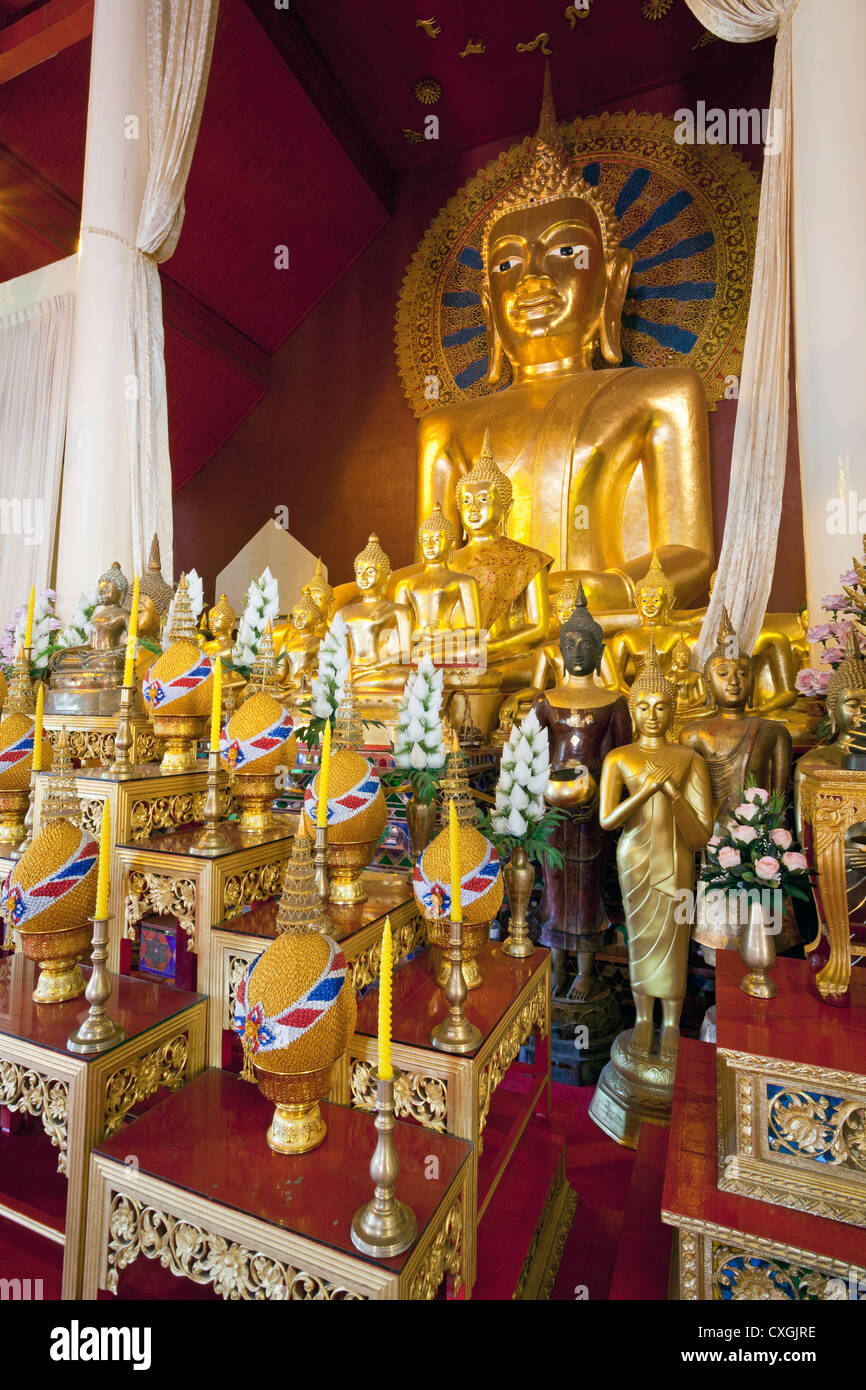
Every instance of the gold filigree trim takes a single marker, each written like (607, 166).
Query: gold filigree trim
(205, 1258)
(163, 894)
(736, 1273)
(445, 1256)
(150, 815)
(532, 1015)
(421, 1098)
(35, 1093)
(407, 938)
(256, 884)
(142, 1077)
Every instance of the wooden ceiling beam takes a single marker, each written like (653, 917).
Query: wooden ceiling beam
(41, 209)
(305, 62)
(41, 33)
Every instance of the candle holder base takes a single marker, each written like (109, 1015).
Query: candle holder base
(456, 1035)
(384, 1234)
(96, 1035)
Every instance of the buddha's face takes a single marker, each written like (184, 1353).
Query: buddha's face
(562, 608)
(435, 547)
(370, 578)
(480, 506)
(547, 281)
(850, 706)
(730, 681)
(581, 654)
(652, 711)
(149, 620)
(218, 622)
(302, 618)
(652, 605)
(109, 593)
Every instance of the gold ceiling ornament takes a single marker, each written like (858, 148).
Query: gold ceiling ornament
(432, 28)
(656, 9)
(413, 136)
(579, 11)
(689, 211)
(428, 91)
(473, 47)
(540, 42)
(61, 793)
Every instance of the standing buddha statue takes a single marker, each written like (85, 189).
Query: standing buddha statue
(584, 722)
(658, 793)
(574, 439)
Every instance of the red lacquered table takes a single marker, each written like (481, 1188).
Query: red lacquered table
(237, 942)
(731, 1246)
(213, 1204)
(461, 1095)
(792, 1092)
(79, 1099)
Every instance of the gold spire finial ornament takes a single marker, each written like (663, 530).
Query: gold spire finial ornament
(485, 469)
(373, 554)
(348, 724)
(60, 801)
(183, 626)
(152, 585)
(264, 673)
(455, 786)
(655, 578)
(436, 523)
(549, 175)
(301, 907)
(652, 679)
(20, 699)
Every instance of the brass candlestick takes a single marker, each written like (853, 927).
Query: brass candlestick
(123, 739)
(98, 1032)
(323, 886)
(212, 839)
(385, 1226)
(455, 1033)
(25, 844)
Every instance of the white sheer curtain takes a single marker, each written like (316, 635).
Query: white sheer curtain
(180, 36)
(748, 556)
(35, 347)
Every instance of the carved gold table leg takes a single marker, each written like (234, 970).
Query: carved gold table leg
(835, 976)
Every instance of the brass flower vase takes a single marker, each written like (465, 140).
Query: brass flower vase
(519, 877)
(297, 1126)
(13, 810)
(347, 860)
(758, 954)
(57, 954)
(181, 733)
(421, 824)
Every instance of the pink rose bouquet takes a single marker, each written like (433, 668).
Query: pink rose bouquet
(756, 851)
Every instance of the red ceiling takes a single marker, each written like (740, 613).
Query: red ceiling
(270, 171)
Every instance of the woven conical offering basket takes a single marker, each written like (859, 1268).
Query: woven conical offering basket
(180, 722)
(434, 866)
(53, 924)
(354, 831)
(16, 767)
(264, 754)
(300, 985)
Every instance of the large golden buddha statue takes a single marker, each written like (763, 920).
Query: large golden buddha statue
(604, 466)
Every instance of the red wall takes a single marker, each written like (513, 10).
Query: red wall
(334, 440)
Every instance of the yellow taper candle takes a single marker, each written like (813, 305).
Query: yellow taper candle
(28, 630)
(102, 884)
(324, 778)
(386, 970)
(454, 847)
(37, 733)
(129, 668)
(217, 706)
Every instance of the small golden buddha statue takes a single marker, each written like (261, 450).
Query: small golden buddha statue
(846, 705)
(660, 794)
(296, 663)
(87, 679)
(574, 440)
(511, 576)
(736, 745)
(317, 608)
(655, 597)
(440, 597)
(222, 625)
(379, 635)
(691, 691)
(320, 591)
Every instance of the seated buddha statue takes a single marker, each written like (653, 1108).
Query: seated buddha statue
(548, 666)
(379, 635)
(296, 660)
(691, 691)
(80, 676)
(222, 625)
(318, 592)
(441, 598)
(655, 596)
(605, 466)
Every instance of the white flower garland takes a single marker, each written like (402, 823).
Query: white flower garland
(328, 686)
(262, 603)
(523, 776)
(418, 734)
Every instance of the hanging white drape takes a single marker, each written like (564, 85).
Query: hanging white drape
(748, 556)
(180, 36)
(35, 348)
